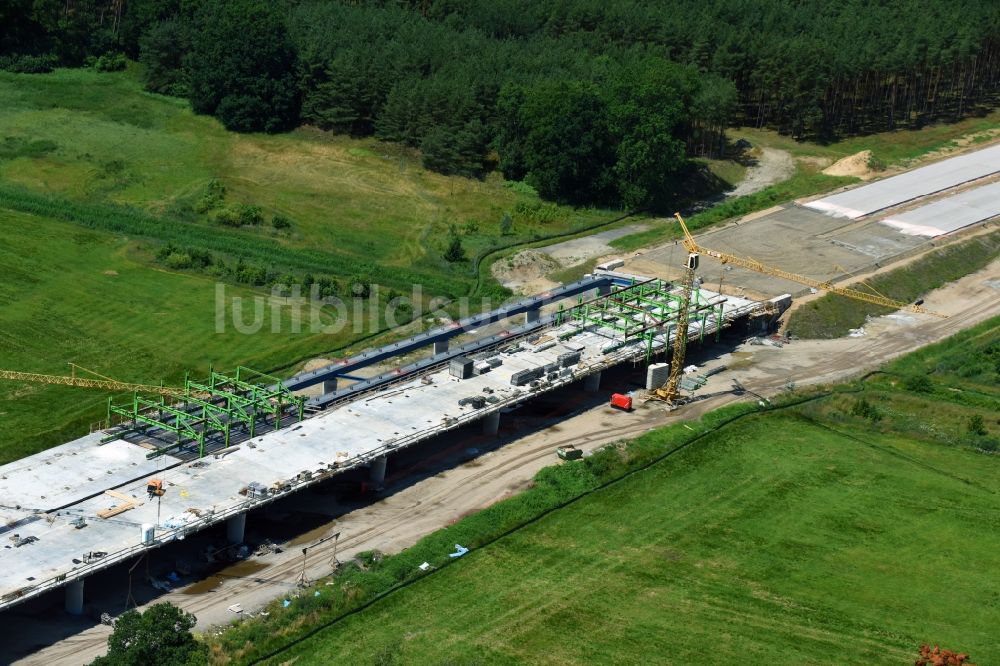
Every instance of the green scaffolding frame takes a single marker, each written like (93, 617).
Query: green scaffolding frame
(641, 310)
(210, 408)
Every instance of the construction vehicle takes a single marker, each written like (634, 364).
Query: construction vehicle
(621, 401)
(569, 452)
(154, 488)
(669, 392)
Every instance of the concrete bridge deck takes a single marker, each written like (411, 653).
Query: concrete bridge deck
(44, 497)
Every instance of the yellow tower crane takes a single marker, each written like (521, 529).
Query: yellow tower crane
(103, 383)
(670, 391)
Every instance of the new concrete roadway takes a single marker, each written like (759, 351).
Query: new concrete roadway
(895, 190)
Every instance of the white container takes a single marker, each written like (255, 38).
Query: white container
(657, 375)
(148, 533)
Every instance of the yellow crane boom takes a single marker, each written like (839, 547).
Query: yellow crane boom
(754, 265)
(87, 382)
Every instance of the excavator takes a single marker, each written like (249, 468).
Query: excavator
(670, 391)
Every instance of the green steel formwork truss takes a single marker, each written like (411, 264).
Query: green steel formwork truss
(642, 310)
(211, 408)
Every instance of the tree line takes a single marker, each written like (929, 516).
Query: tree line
(819, 68)
(587, 101)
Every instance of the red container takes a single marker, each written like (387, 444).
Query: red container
(622, 402)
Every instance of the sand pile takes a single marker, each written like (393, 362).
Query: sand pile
(853, 165)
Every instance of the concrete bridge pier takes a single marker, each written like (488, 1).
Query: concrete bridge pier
(491, 424)
(377, 470)
(440, 347)
(74, 597)
(329, 385)
(531, 316)
(235, 527)
(592, 383)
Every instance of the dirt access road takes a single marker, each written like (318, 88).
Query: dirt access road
(403, 517)
(773, 166)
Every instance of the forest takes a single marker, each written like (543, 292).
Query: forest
(589, 102)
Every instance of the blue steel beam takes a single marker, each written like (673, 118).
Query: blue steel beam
(372, 356)
(324, 401)
(469, 348)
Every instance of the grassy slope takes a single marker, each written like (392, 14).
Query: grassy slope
(97, 139)
(830, 316)
(809, 535)
(969, 361)
(71, 295)
(108, 141)
(778, 540)
(889, 147)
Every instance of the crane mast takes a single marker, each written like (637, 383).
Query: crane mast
(670, 391)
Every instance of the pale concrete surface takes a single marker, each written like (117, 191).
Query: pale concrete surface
(793, 238)
(949, 214)
(895, 190)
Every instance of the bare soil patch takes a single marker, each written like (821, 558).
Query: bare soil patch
(524, 270)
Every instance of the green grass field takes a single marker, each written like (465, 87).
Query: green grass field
(813, 534)
(779, 540)
(98, 138)
(72, 295)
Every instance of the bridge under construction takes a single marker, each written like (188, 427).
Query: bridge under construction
(221, 447)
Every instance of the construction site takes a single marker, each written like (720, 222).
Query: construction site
(170, 462)
(227, 445)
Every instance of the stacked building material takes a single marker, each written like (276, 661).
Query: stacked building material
(657, 375)
(460, 367)
(522, 377)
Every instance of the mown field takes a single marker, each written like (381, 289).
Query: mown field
(73, 295)
(850, 528)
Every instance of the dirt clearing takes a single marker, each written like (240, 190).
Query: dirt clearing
(525, 271)
(773, 166)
